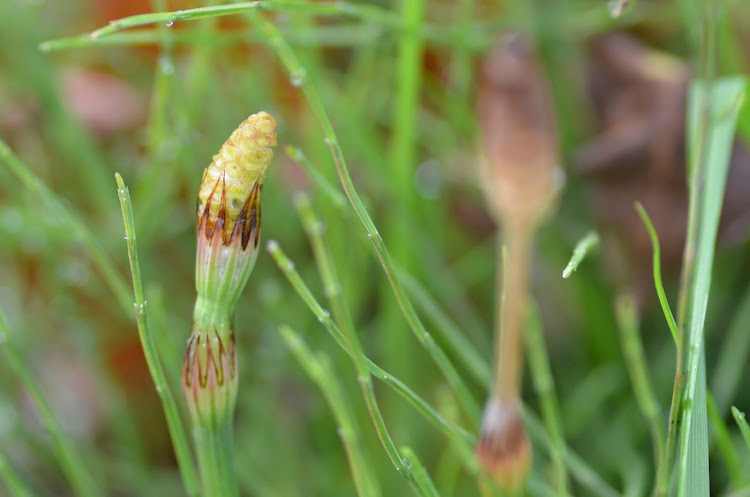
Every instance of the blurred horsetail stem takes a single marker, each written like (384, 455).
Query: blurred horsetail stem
(518, 173)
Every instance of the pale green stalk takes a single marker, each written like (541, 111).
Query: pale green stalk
(171, 413)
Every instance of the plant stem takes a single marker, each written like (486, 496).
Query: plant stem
(511, 290)
(174, 422)
(214, 447)
(297, 72)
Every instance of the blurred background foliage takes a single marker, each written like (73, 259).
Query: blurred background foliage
(155, 107)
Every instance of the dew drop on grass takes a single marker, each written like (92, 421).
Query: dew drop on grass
(166, 65)
(169, 24)
(297, 80)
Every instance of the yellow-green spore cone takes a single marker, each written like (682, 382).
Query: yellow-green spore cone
(241, 162)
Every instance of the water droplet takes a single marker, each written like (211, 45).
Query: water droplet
(158, 389)
(326, 314)
(169, 24)
(166, 66)
(126, 236)
(406, 463)
(297, 80)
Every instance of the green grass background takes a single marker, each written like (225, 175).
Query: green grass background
(406, 129)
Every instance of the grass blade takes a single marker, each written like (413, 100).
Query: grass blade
(657, 271)
(711, 144)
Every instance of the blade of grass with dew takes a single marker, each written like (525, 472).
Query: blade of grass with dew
(723, 440)
(635, 361)
(739, 417)
(365, 12)
(73, 466)
(174, 422)
(287, 267)
(584, 245)
(721, 101)
(65, 215)
(657, 271)
(319, 370)
(296, 72)
(372, 13)
(541, 376)
(350, 35)
(8, 476)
